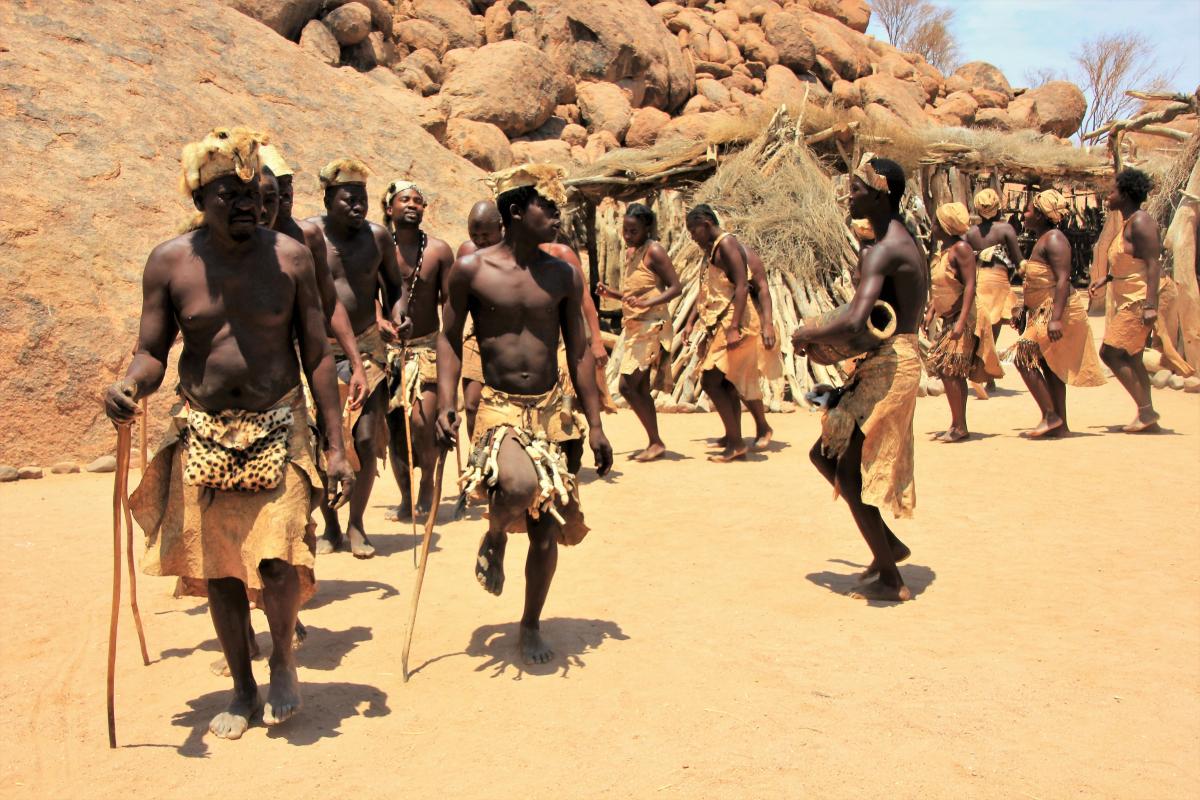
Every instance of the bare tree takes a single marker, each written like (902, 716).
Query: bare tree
(1043, 75)
(919, 27)
(1110, 65)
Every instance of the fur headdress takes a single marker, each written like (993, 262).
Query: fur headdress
(273, 160)
(342, 171)
(224, 151)
(396, 187)
(547, 179)
(867, 174)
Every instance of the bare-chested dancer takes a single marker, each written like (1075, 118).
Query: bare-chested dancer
(362, 260)
(233, 521)
(648, 284)
(337, 322)
(520, 299)
(1055, 347)
(1135, 271)
(425, 264)
(866, 444)
(484, 229)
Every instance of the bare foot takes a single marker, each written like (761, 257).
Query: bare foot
(489, 564)
(1049, 423)
(330, 542)
(360, 545)
(534, 649)
(650, 453)
(954, 435)
(283, 698)
(400, 513)
(301, 635)
(1145, 422)
(729, 454)
(723, 442)
(763, 441)
(981, 392)
(876, 590)
(899, 555)
(233, 721)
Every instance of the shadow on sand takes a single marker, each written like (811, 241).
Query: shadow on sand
(570, 638)
(917, 576)
(326, 707)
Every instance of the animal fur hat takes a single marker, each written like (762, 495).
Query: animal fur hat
(224, 151)
(547, 179)
(273, 160)
(342, 171)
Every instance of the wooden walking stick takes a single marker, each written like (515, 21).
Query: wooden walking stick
(124, 441)
(145, 436)
(130, 560)
(412, 481)
(460, 506)
(429, 522)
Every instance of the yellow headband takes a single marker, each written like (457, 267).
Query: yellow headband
(547, 179)
(224, 151)
(867, 174)
(987, 203)
(273, 160)
(862, 229)
(342, 171)
(397, 187)
(1052, 205)
(954, 218)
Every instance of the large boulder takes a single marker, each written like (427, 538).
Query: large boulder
(904, 100)
(381, 12)
(854, 14)
(548, 151)
(418, 34)
(619, 41)
(786, 33)
(285, 17)
(982, 75)
(349, 23)
(60, 239)
(956, 110)
(509, 84)
(481, 143)
(604, 107)
(644, 126)
(845, 49)
(784, 88)
(319, 42)
(754, 45)
(693, 127)
(996, 119)
(454, 19)
(1057, 107)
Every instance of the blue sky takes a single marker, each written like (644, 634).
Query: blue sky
(1021, 35)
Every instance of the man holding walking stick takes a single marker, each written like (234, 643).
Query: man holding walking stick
(226, 502)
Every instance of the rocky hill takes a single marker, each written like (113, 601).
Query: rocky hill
(95, 109)
(566, 80)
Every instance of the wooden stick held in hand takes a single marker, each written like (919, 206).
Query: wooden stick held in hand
(412, 481)
(124, 445)
(429, 522)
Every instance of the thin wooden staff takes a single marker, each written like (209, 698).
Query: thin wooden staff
(145, 435)
(429, 522)
(124, 441)
(412, 481)
(130, 561)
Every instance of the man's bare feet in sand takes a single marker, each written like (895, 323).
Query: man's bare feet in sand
(876, 590)
(534, 649)
(489, 564)
(729, 454)
(1145, 422)
(650, 453)
(981, 392)
(233, 721)
(330, 542)
(954, 435)
(763, 440)
(900, 554)
(400, 513)
(360, 545)
(1049, 424)
(283, 698)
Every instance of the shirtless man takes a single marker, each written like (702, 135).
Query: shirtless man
(337, 323)
(521, 299)
(244, 300)
(871, 464)
(1135, 271)
(425, 264)
(484, 229)
(362, 259)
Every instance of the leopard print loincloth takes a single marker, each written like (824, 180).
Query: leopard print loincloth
(236, 450)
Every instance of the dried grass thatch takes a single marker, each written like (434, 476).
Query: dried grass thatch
(1170, 181)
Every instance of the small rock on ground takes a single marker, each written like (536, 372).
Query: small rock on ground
(103, 464)
(29, 473)
(8, 474)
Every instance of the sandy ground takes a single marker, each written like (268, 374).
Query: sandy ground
(706, 650)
